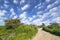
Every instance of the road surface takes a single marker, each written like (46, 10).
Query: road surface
(43, 35)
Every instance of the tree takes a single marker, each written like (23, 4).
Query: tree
(12, 23)
(54, 24)
(43, 25)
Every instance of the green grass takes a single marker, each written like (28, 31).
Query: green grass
(53, 29)
(20, 33)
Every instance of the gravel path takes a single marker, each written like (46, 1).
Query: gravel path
(42, 35)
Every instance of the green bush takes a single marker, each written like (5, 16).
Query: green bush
(17, 30)
(23, 32)
(53, 28)
(12, 23)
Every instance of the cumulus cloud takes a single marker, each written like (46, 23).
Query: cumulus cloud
(53, 4)
(5, 1)
(47, 22)
(1, 22)
(57, 19)
(22, 1)
(12, 12)
(26, 21)
(15, 1)
(48, 17)
(37, 22)
(24, 18)
(2, 12)
(48, 1)
(25, 7)
(23, 15)
(6, 4)
(15, 17)
(45, 13)
(53, 13)
(39, 6)
(39, 12)
(30, 18)
(55, 9)
(34, 16)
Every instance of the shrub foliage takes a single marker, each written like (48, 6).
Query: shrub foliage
(20, 32)
(53, 28)
(12, 23)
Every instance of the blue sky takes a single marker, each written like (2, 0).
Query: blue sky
(30, 11)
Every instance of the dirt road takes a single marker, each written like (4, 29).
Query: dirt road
(42, 35)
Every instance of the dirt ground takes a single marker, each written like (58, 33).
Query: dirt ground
(43, 35)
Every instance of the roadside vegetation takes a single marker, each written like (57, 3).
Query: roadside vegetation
(15, 30)
(53, 28)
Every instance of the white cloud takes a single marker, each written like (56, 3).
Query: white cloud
(1, 7)
(5, 1)
(56, 20)
(49, 6)
(12, 11)
(39, 12)
(42, 17)
(6, 5)
(1, 22)
(15, 1)
(5, 18)
(23, 15)
(15, 17)
(19, 9)
(33, 16)
(48, 1)
(22, 1)
(53, 13)
(54, 9)
(25, 7)
(2, 12)
(39, 6)
(52, 5)
(46, 15)
(30, 18)
(37, 22)
(47, 22)
(26, 21)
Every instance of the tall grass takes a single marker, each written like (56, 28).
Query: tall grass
(23, 32)
(54, 29)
